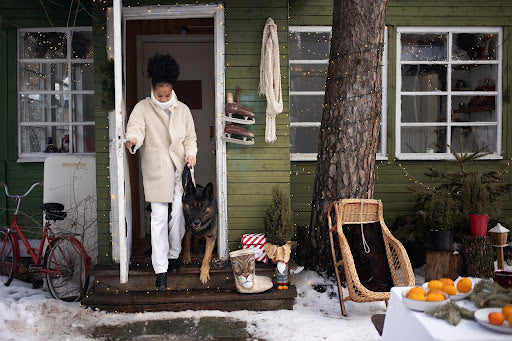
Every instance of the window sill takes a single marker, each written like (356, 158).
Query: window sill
(439, 156)
(41, 157)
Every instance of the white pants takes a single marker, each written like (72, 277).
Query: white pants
(166, 235)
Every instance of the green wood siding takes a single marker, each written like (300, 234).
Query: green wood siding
(394, 176)
(253, 170)
(19, 176)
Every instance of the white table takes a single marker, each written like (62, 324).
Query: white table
(401, 323)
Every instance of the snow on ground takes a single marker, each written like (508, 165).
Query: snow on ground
(32, 314)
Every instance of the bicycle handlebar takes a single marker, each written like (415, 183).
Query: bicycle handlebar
(17, 196)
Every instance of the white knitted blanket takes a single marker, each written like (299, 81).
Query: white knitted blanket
(270, 78)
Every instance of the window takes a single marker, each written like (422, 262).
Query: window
(448, 91)
(308, 48)
(55, 92)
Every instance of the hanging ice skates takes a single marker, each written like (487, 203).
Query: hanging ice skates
(234, 116)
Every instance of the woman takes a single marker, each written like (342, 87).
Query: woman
(163, 128)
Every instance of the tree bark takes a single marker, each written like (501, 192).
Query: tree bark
(351, 118)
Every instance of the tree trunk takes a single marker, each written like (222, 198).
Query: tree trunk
(351, 118)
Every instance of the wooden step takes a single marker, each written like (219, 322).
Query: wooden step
(142, 277)
(207, 299)
(185, 290)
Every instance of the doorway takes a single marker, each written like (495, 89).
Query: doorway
(191, 43)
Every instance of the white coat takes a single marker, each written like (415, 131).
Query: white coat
(165, 141)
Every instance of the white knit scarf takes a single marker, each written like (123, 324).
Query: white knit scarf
(270, 78)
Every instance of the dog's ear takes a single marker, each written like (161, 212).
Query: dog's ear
(208, 190)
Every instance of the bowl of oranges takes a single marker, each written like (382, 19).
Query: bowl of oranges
(459, 289)
(419, 299)
(498, 319)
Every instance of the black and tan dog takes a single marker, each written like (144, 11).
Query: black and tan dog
(200, 211)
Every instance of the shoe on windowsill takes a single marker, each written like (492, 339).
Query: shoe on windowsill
(174, 266)
(161, 281)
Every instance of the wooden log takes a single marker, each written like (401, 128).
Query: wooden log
(477, 256)
(442, 264)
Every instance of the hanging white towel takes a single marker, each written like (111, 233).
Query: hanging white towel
(270, 78)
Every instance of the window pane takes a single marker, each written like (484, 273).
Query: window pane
(474, 77)
(43, 45)
(306, 108)
(48, 139)
(309, 45)
(423, 140)
(44, 108)
(424, 77)
(83, 139)
(474, 138)
(81, 44)
(83, 108)
(424, 108)
(44, 76)
(474, 46)
(424, 46)
(304, 139)
(474, 109)
(83, 76)
(308, 77)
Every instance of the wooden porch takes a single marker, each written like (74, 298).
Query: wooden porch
(185, 291)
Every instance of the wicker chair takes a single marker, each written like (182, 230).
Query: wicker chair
(364, 211)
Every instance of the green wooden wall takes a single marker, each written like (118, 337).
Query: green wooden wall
(19, 176)
(394, 176)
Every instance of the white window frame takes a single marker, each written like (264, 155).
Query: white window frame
(40, 156)
(383, 132)
(448, 92)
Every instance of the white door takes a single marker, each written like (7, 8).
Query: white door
(194, 54)
(120, 176)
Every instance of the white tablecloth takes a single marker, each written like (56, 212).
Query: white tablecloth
(401, 323)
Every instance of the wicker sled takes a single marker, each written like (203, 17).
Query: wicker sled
(365, 211)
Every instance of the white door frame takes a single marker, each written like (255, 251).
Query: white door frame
(181, 12)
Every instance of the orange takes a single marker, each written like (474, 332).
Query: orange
(446, 281)
(510, 320)
(418, 290)
(449, 289)
(435, 284)
(416, 296)
(435, 296)
(507, 311)
(464, 285)
(437, 291)
(496, 318)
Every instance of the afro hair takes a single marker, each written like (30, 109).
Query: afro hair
(162, 68)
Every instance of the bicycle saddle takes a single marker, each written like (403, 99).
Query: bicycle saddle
(54, 211)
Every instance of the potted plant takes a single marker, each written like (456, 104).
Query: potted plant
(279, 230)
(439, 211)
(475, 196)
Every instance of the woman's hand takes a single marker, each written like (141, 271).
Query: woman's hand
(130, 142)
(191, 161)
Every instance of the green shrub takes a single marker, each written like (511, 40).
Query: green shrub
(475, 195)
(278, 218)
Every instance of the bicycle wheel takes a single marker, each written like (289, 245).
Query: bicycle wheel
(7, 257)
(66, 275)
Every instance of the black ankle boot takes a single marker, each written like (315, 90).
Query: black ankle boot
(174, 266)
(161, 281)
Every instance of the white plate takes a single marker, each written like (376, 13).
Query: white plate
(481, 316)
(421, 305)
(459, 296)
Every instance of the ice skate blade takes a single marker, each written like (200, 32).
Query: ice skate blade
(241, 140)
(246, 120)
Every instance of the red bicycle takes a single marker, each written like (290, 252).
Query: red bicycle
(65, 264)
